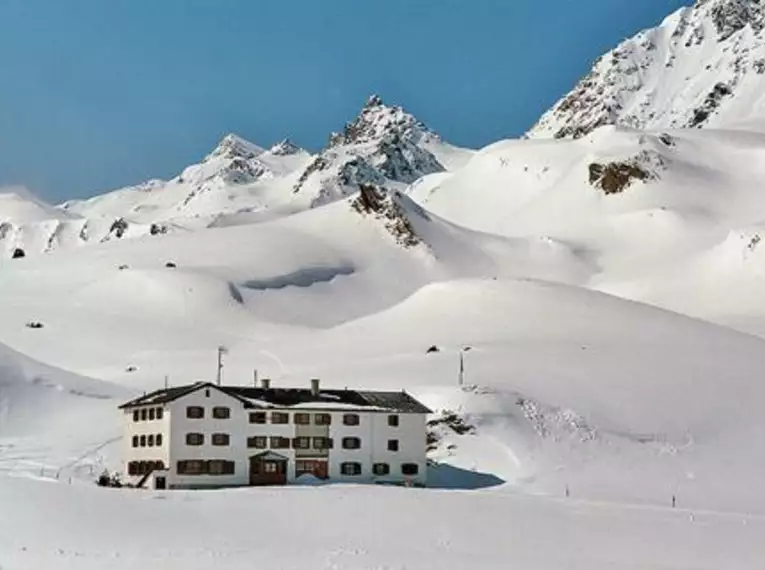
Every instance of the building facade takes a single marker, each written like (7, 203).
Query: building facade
(203, 435)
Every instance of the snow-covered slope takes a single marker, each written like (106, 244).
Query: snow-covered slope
(703, 66)
(47, 417)
(672, 218)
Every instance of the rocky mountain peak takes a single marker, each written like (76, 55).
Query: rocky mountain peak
(703, 66)
(233, 146)
(378, 121)
(384, 144)
(284, 148)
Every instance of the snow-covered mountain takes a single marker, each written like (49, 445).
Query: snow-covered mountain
(383, 145)
(236, 176)
(238, 182)
(704, 66)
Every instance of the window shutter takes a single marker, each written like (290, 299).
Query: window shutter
(330, 443)
(295, 442)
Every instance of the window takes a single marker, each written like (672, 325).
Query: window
(136, 415)
(195, 412)
(393, 421)
(258, 442)
(192, 467)
(380, 468)
(195, 439)
(301, 442)
(220, 439)
(392, 445)
(257, 417)
(322, 419)
(144, 413)
(220, 467)
(135, 441)
(350, 419)
(152, 413)
(303, 419)
(350, 468)
(150, 440)
(303, 467)
(160, 413)
(322, 443)
(280, 418)
(207, 393)
(133, 468)
(158, 440)
(351, 443)
(270, 467)
(221, 413)
(410, 469)
(143, 441)
(280, 442)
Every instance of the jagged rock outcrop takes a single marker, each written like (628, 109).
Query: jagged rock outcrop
(703, 66)
(383, 145)
(616, 176)
(385, 206)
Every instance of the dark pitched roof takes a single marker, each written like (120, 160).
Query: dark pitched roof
(169, 394)
(288, 397)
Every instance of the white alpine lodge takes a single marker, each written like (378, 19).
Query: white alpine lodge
(205, 435)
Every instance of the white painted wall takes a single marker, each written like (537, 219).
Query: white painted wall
(375, 432)
(235, 427)
(132, 428)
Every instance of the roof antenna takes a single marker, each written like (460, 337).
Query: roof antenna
(221, 351)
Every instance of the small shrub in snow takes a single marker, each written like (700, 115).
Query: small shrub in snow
(119, 227)
(34, 325)
(18, 253)
(170, 265)
(107, 479)
(432, 349)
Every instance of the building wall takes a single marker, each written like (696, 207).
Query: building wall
(144, 428)
(235, 426)
(373, 430)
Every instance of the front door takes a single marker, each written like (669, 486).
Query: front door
(265, 471)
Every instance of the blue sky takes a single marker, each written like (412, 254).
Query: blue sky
(98, 94)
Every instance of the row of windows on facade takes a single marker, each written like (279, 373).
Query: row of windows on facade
(223, 467)
(143, 467)
(262, 442)
(379, 469)
(148, 414)
(299, 418)
(150, 440)
(276, 442)
(224, 413)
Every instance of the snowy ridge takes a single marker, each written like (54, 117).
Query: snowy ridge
(703, 66)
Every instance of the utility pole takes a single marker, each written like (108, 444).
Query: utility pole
(221, 351)
(461, 380)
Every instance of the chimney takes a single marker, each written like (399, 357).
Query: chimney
(265, 383)
(314, 386)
